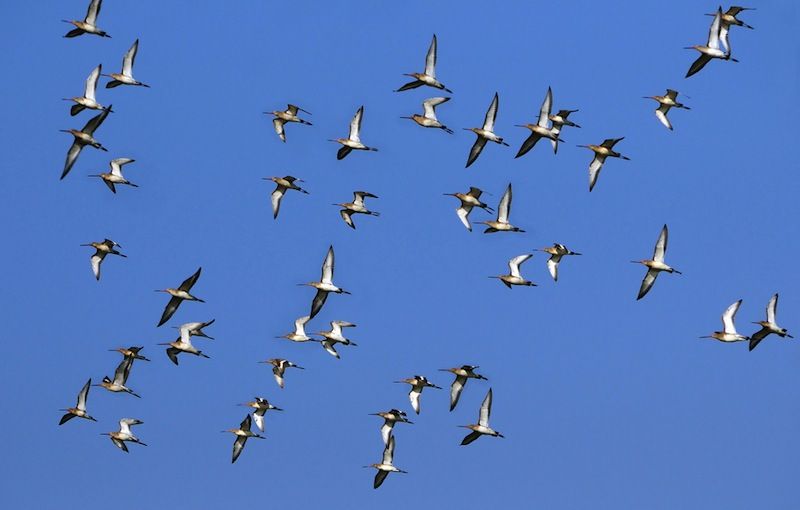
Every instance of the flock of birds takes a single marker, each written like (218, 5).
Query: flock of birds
(547, 126)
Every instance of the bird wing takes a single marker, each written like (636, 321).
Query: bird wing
(491, 114)
(647, 283)
(84, 393)
(609, 143)
(729, 316)
(276, 197)
(245, 425)
(430, 59)
(93, 11)
(327, 267)
(97, 259)
(594, 169)
(91, 83)
(343, 152)
(504, 208)
(95, 122)
(759, 335)
(455, 390)
(119, 444)
(170, 309)
(463, 214)
(672, 94)
(122, 371)
(299, 325)
(380, 476)
(355, 125)
(772, 309)
(189, 282)
(238, 446)
(72, 156)
(277, 372)
(544, 112)
(258, 417)
(172, 354)
(317, 302)
(528, 144)
(429, 106)
(129, 58)
(661, 245)
(698, 64)
(661, 115)
(513, 264)
(552, 266)
(713, 30)
(475, 192)
(486, 410)
(386, 431)
(723, 37)
(329, 348)
(388, 452)
(347, 216)
(117, 164)
(476, 149)
(413, 396)
(472, 436)
(278, 124)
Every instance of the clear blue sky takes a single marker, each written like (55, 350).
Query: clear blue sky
(605, 402)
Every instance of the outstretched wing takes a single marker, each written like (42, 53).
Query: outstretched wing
(647, 283)
(355, 125)
(189, 282)
(129, 58)
(491, 114)
(455, 390)
(430, 59)
(475, 151)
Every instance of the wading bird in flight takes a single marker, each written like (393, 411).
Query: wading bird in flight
(390, 417)
(386, 466)
(356, 207)
(120, 378)
(243, 433)
(418, 383)
(282, 184)
(770, 325)
(429, 76)
(126, 76)
(601, 152)
(325, 285)
(289, 115)
(196, 328)
(485, 133)
(88, 99)
(729, 19)
(462, 373)
(666, 102)
(80, 408)
(335, 336)
(503, 211)
(469, 200)
(514, 277)
(299, 333)
(656, 265)
(728, 333)
(353, 141)
(542, 127)
(100, 251)
(279, 366)
(182, 344)
(115, 176)
(125, 435)
(130, 352)
(89, 23)
(560, 120)
(179, 295)
(482, 428)
(711, 50)
(557, 251)
(82, 138)
(261, 406)
(428, 119)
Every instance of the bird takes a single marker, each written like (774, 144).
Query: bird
(418, 383)
(279, 366)
(711, 49)
(666, 102)
(101, 249)
(353, 141)
(299, 334)
(729, 19)
(560, 120)
(196, 328)
(390, 417)
(88, 99)
(120, 378)
(115, 175)
(462, 373)
(601, 152)
(486, 133)
(80, 408)
(541, 129)
(469, 200)
(289, 115)
(429, 76)
(482, 428)
(89, 23)
(125, 435)
(770, 325)
(503, 211)
(243, 433)
(182, 344)
(178, 296)
(335, 336)
(514, 277)
(282, 184)
(82, 138)
(428, 118)
(557, 251)
(356, 207)
(126, 76)
(386, 466)
(728, 333)
(261, 406)
(130, 352)
(656, 265)
(325, 285)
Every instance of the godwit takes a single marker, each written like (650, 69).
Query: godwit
(770, 325)
(356, 207)
(656, 265)
(242, 434)
(88, 99)
(289, 115)
(179, 295)
(560, 120)
(182, 344)
(83, 138)
(325, 285)
(299, 334)
(429, 76)
(196, 328)
(482, 428)
(542, 127)
(334, 336)
(282, 184)
(386, 466)
(130, 352)
(125, 435)
(120, 378)
(666, 102)
(353, 141)
(556, 252)
(390, 417)
(711, 50)
(89, 23)
(126, 76)
(462, 373)
(428, 119)
(80, 408)
(486, 133)
(100, 251)
(469, 200)
(728, 333)
(503, 210)
(261, 406)
(418, 383)
(727, 20)
(514, 277)
(115, 175)
(279, 366)
(601, 152)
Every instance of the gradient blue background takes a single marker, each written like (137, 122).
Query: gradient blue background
(606, 402)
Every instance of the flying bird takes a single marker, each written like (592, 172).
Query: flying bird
(196, 328)
(666, 102)
(656, 265)
(429, 76)
(386, 466)
(486, 133)
(299, 334)
(130, 352)
(390, 417)
(418, 383)
(542, 127)
(82, 138)
(514, 277)
(106, 247)
(769, 326)
(80, 408)
(428, 118)
(289, 115)
(353, 141)
(482, 428)
(728, 333)
(279, 366)
(89, 23)
(179, 295)
(469, 200)
(356, 207)
(601, 152)
(282, 184)
(325, 285)
(335, 336)
(126, 76)
(125, 435)
(182, 344)
(560, 120)
(261, 406)
(557, 251)
(729, 19)
(120, 378)
(711, 50)
(115, 176)
(503, 211)
(88, 99)
(462, 373)
(243, 433)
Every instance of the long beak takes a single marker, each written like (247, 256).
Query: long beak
(406, 118)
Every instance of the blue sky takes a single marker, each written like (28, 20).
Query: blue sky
(605, 402)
